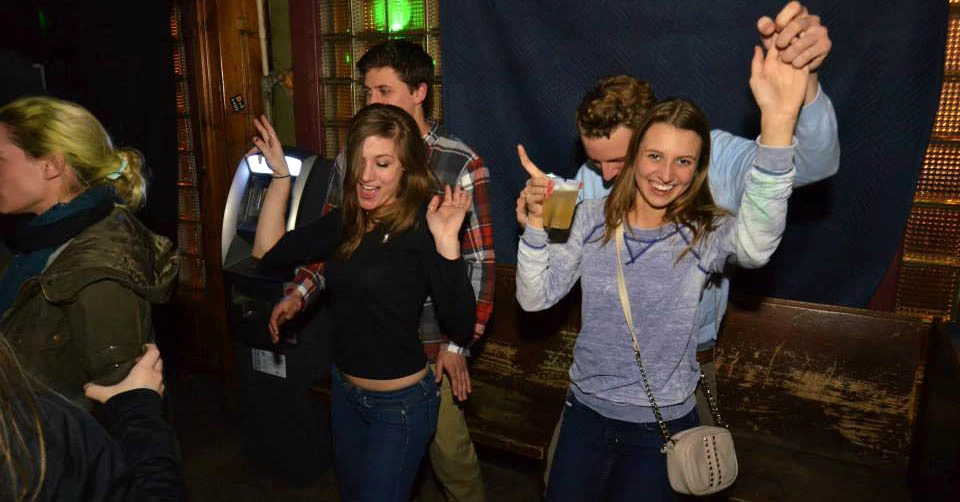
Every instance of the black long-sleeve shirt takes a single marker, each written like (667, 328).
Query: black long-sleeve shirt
(84, 462)
(377, 294)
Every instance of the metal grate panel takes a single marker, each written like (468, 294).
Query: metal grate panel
(947, 123)
(335, 16)
(927, 290)
(952, 62)
(338, 59)
(186, 168)
(192, 273)
(940, 176)
(335, 139)
(188, 237)
(188, 204)
(933, 234)
(338, 102)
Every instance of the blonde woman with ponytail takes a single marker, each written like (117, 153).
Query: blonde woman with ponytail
(79, 273)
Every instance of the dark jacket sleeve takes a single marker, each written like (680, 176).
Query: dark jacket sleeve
(110, 323)
(135, 419)
(314, 242)
(450, 289)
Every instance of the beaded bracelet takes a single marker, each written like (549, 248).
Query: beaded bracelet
(281, 177)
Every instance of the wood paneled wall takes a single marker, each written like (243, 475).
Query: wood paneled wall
(225, 52)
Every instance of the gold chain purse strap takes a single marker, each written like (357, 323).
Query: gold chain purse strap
(628, 316)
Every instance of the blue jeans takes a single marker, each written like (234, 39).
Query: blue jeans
(599, 458)
(379, 438)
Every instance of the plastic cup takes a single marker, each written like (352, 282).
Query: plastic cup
(559, 206)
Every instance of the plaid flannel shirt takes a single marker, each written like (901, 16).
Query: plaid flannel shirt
(453, 163)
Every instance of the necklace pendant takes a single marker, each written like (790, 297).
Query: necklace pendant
(386, 237)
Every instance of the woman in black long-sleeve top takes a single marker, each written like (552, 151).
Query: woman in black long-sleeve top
(388, 247)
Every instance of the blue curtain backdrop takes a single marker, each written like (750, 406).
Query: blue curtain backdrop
(515, 71)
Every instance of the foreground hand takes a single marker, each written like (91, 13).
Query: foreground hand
(146, 374)
(269, 145)
(800, 37)
(455, 366)
(445, 216)
(283, 312)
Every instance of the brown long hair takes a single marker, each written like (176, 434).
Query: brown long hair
(416, 182)
(22, 473)
(694, 208)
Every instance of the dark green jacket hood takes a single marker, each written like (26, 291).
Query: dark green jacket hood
(118, 248)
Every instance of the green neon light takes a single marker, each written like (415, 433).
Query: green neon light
(400, 11)
(42, 19)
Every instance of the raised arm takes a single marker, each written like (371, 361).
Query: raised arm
(804, 43)
(545, 272)
(778, 89)
(450, 288)
(271, 223)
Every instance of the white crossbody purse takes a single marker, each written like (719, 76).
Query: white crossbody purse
(701, 460)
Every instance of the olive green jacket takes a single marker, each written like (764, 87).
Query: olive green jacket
(87, 315)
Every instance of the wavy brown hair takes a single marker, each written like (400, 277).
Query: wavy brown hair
(416, 183)
(22, 473)
(694, 208)
(615, 101)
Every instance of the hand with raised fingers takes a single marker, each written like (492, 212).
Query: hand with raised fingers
(778, 89)
(445, 218)
(146, 374)
(269, 145)
(799, 35)
(537, 189)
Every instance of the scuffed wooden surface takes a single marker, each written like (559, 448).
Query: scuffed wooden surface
(839, 382)
(519, 374)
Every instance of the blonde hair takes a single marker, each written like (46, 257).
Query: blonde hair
(43, 126)
(22, 472)
(695, 208)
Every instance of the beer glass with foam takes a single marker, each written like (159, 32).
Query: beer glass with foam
(559, 206)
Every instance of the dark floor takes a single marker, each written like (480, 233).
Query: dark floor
(218, 464)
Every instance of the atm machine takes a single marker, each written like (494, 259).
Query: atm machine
(287, 428)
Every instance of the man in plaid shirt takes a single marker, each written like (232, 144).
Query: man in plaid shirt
(401, 73)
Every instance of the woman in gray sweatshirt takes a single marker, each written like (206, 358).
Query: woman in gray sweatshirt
(675, 237)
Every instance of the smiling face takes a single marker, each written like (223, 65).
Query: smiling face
(606, 155)
(666, 163)
(381, 173)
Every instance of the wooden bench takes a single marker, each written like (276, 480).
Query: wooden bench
(519, 373)
(823, 401)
